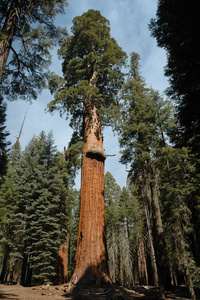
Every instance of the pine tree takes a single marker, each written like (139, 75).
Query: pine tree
(126, 259)
(112, 196)
(175, 31)
(164, 179)
(37, 212)
(176, 187)
(73, 209)
(7, 201)
(92, 63)
(68, 163)
(125, 234)
(3, 139)
(145, 121)
(27, 35)
(137, 235)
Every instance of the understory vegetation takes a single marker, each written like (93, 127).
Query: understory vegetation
(152, 223)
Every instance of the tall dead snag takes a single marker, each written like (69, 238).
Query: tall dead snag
(92, 62)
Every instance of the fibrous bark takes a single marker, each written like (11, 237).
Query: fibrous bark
(91, 253)
(8, 32)
(142, 265)
(62, 264)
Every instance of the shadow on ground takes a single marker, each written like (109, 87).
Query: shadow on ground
(121, 293)
(111, 292)
(8, 296)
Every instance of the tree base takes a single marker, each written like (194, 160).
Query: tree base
(91, 277)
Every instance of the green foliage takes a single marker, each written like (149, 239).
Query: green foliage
(112, 196)
(177, 186)
(73, 158)
(28, 28)
(119, 210)
(72, 216)
(36, 215)
(161, 172)
(175, 30)
(39, 209)
(146, 119)
(7, 201)
(3, 140)
(6, 190)
(92, 63)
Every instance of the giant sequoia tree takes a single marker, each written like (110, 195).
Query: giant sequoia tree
(92, 78)
(27, 44)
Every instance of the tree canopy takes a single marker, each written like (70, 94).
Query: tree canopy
(162, 187)
(175, 29)
(27, 34)
(151, 226)
(92, 62)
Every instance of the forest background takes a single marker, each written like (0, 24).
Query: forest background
(153, 221)
(129, 26)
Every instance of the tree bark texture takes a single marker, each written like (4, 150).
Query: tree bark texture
(4, 263)
(151, 243)
(91, 253)
(147, 194)
(8, 32)
(113, 254)
(159, 242)
(62, 264)
(142, 266)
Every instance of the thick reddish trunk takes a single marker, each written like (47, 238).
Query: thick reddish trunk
(142, 266)
(8, 32)
(62, 264)
(91, 254)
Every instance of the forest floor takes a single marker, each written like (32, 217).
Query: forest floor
(70, 292)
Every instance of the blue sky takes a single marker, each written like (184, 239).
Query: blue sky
(129, 26)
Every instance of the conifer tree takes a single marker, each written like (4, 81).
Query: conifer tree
(175, 31)
(68, 163)
(37, 211)
(7, 201)
(125, 234)
(66, 168)
(176, 188)
(137, 234)
(27, 34)
(92, 62)
(163, 176)
(145, 120)
(126, 258)
(112, 196)
(3, 139)
(73, 210)
(174, 28)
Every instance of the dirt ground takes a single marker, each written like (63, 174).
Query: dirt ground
(70, 292)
